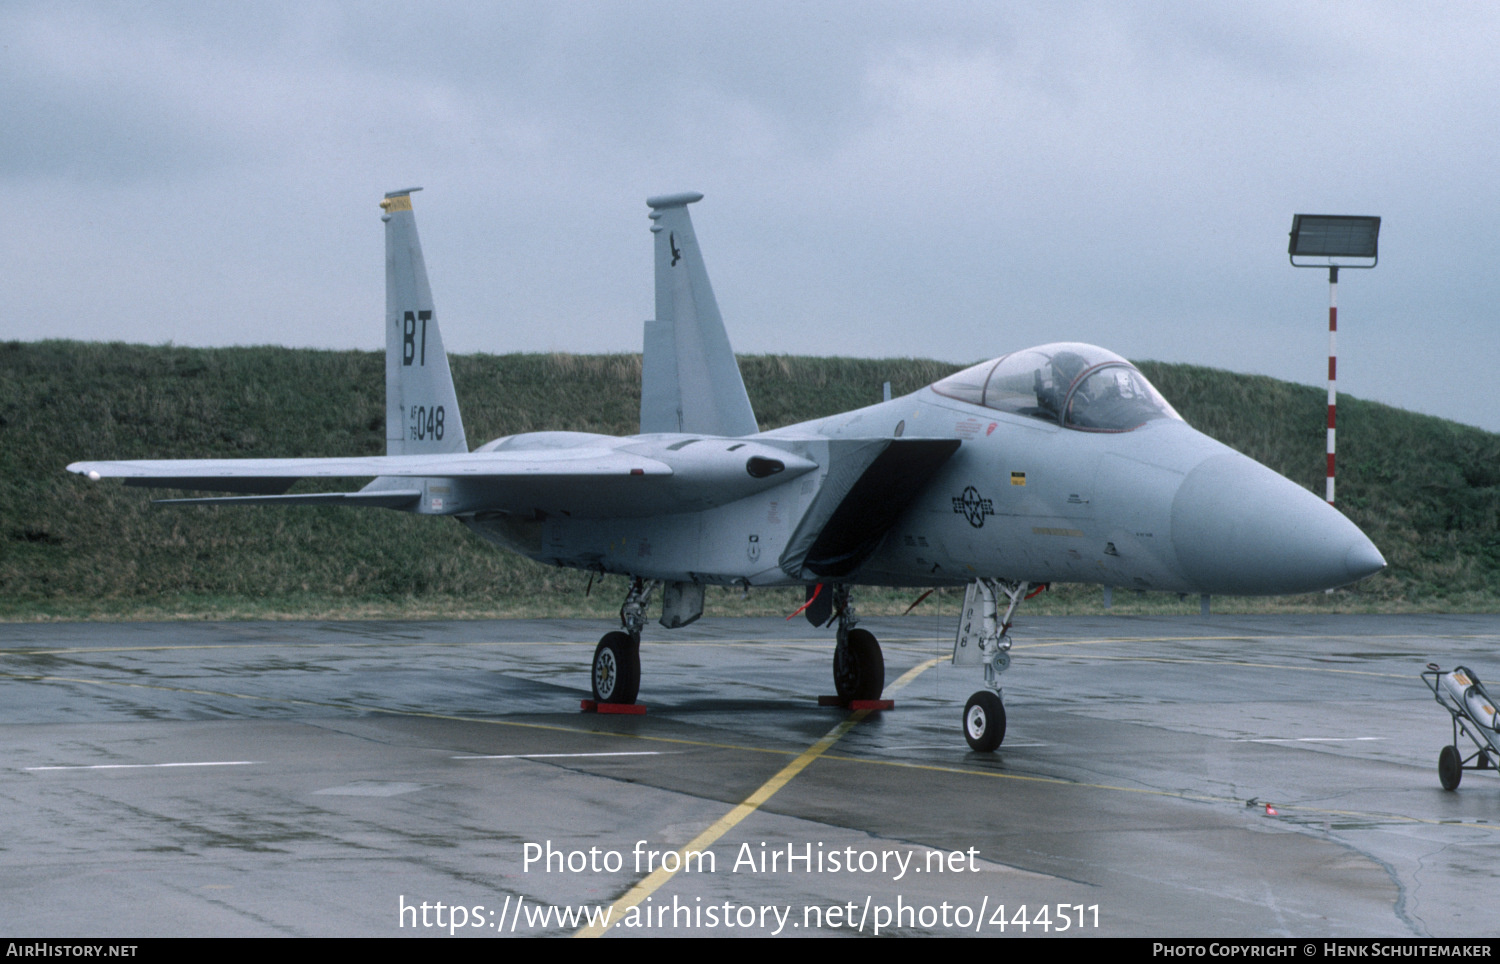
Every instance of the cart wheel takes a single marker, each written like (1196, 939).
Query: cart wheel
(1450, 768)
(1483, 761)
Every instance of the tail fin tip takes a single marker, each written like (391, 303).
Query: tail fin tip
(673, 200)
(397, 201)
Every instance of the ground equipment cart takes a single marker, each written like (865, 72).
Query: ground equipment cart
(1460, 693)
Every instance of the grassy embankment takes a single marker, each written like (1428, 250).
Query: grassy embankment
(1426, 490)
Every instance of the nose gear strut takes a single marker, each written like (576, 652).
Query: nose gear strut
(984, 640)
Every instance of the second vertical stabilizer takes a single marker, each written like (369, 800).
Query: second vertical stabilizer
(690, 381)
(421, 408)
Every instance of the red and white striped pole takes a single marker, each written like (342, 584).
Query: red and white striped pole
(1333, 328)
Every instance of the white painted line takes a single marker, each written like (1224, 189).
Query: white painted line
(148, 766)
(952, 746)
(374, 788)
(927, 746)
(542, 756)
(1315, 739)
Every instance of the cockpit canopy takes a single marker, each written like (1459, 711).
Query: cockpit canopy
(1075, 385)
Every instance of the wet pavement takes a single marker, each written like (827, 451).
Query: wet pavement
(1227, 776)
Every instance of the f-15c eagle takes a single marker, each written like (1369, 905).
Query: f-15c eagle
(1059, 463)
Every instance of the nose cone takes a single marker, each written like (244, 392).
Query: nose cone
(1240, 528)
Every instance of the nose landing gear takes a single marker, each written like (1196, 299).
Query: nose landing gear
(984, 640)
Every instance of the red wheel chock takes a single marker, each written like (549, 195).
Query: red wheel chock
(856, 704)
(622, 709)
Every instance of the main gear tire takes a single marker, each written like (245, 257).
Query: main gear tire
(859, 667)
(617, 668)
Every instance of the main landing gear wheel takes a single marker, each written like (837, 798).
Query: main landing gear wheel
(1450, 768)
(617, 668)
(984, 721)
(858, 667)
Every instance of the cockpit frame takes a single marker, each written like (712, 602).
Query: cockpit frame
(1077, 386)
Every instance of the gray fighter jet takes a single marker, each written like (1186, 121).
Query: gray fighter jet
(1059, 463)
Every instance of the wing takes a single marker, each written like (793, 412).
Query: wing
(498, 480)
(546, 473)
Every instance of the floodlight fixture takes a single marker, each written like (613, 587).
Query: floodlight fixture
(1333, 237)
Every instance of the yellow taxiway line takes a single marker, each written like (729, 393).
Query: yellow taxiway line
(653, 881)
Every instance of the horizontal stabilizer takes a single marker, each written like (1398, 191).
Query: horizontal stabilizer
(389, 499)
(259, 485)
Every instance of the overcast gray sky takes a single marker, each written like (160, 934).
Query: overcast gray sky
(952, 180)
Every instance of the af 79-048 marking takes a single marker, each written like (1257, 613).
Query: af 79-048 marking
(1051, 464)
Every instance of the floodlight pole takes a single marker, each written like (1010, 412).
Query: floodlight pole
(1333, 392)
(1333, 236)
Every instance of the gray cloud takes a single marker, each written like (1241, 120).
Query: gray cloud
(954, 180)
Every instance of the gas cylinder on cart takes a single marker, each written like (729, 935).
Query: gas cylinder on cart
(1462, 687)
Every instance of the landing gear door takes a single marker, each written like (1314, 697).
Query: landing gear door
(681, 603)
(966, 646)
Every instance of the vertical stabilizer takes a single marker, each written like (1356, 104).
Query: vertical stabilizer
(690, 381)
(421, 409)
